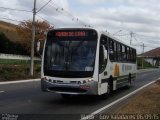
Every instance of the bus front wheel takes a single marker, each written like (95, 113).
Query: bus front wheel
(109, 90)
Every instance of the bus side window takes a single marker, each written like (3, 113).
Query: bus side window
(134, 53)
(102, 60)
(119, 52)
(115, 51)
(127, 54)
(111, 50)
(106, 45)
(123, 53)
(104, 41)
(131, 55)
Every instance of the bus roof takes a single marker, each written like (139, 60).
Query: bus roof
(73, 29)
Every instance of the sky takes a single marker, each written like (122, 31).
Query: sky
(118, 17)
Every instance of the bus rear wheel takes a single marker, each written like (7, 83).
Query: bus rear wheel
(129, 81)
(111, 84)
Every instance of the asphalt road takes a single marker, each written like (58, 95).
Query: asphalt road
(27, 98)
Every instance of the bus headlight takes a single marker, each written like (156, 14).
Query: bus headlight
(88, 80)
(45, 78)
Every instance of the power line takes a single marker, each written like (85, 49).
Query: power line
(15, 9)
(10, 19)
(142, 43)
(135, 38)
(122, 35)
(62, 11)
(44, 19)
(147, 40)
(44, 5)
(145, 35)
(117, 32)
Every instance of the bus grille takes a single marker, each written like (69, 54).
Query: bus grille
(67, 89)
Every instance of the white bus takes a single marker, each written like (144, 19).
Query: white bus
(83, 61)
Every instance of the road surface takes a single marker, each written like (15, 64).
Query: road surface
(27, 98)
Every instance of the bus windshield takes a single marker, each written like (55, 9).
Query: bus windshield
(70, 56)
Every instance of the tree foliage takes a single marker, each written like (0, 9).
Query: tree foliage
(25, 32)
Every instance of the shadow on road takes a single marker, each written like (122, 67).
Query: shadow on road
(85, 100)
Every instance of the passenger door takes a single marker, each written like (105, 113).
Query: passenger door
(102, 65)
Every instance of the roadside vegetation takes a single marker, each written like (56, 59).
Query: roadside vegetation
(145, 64)
(17, 70)
(16, 39)
(146, 102)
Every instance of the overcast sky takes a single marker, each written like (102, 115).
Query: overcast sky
(138, 16)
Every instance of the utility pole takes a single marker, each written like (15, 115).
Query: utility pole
(131, 34)
(33, 39)
(142, 55)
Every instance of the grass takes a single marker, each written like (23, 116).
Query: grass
(17, 70)
(145, 64)
(147, 102)
(13, 62)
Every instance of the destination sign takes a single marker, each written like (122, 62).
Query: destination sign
(71, 34)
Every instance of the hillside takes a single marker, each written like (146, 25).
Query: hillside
(10, 31)
(10, 40)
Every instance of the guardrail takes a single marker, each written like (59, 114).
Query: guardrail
(16, 57)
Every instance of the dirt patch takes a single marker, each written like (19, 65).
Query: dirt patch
(147, 102)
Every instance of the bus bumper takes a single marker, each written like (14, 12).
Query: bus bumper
(90, 88)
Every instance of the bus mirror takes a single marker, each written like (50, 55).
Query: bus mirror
(105, 53)
(38, 46)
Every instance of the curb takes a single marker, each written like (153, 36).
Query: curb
(19, 81)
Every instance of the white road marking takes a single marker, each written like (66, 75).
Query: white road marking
(1, 91)
(116, 101)
(19, 81)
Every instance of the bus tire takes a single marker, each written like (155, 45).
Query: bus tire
(111, 84)
(109, 89)
(106, 95)
(129, 81)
